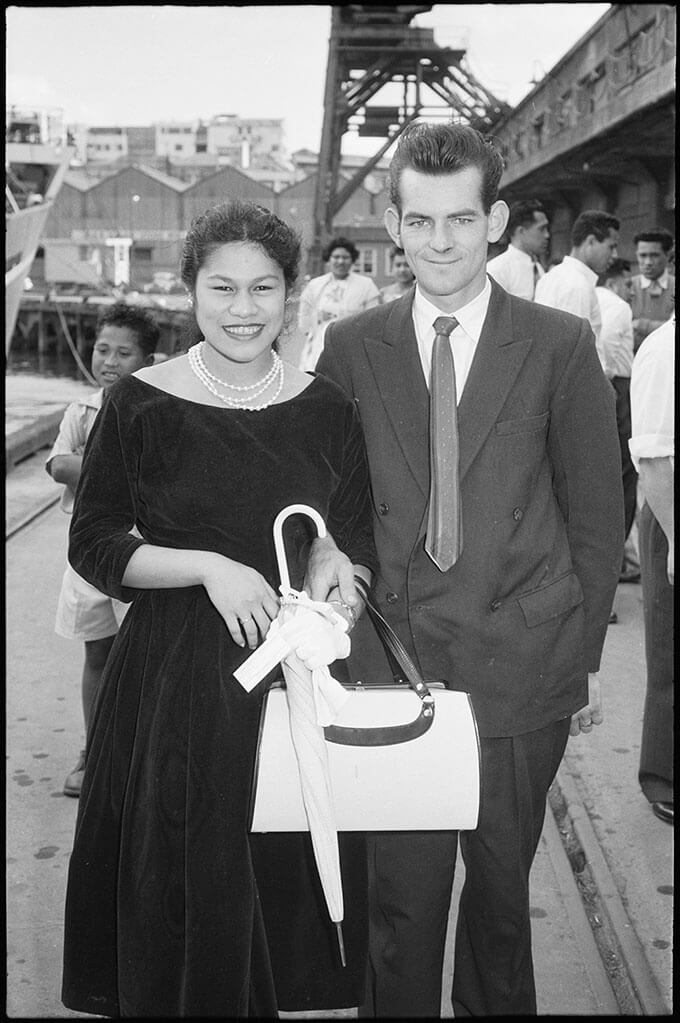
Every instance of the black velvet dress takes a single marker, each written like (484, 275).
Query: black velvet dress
(172, 908)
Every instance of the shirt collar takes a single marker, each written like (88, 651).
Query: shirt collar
(522, 256)
(581, 267)
(470, 317)
(94, 400)
(662, 281)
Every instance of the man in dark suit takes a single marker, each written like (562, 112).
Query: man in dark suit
(518, 616)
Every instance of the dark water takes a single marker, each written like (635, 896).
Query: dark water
(47, 364)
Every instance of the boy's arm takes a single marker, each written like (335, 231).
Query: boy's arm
(70, 440)
(66, 469)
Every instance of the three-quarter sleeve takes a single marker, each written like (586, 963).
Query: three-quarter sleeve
(350, 512)
(100, 544)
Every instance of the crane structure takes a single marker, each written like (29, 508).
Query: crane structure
(372, 46)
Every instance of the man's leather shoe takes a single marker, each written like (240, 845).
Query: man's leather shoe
(664, 811)
(632, 575)
(613, 618)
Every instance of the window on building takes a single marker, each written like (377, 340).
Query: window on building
(368, 260)
(83, 253)
(143, 254)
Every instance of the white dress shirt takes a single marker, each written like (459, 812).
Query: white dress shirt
(463, 339)
(652, 396)
(616, 335)
(514, 271)
(571, 286)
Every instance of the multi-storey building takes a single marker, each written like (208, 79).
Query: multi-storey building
(240, 142)
(175, 138)
(105, 144)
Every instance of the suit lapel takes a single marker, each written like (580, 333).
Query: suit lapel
(393, 356)
(398, 373)
(502, 348)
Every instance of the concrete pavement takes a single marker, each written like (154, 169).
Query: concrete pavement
(44, 735)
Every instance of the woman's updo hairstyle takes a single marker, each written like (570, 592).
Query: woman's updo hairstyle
(239, 221)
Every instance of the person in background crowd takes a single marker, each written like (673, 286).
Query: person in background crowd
(652, 446)
(516, 614)
(519, 268)
(335, 294)
(126, 340)
(616, 337)
(165, 913)
(403, 276)
(571, 284)
(653, 295)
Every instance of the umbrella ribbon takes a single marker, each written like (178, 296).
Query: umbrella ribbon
(329, 695)
(314, 700)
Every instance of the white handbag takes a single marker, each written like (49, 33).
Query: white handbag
(402, 757)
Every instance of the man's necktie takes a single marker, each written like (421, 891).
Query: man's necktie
(444, 540)
(537, 275)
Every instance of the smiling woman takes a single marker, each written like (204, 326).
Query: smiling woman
(201, 453)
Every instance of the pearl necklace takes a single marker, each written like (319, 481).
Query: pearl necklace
(245, 403)
(198, 355)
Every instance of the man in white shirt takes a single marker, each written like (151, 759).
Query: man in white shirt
(571, 284)
(519, 269)
(616, 338)
(653, 296)
(652, 446)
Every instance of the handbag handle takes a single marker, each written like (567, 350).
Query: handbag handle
(388, 735)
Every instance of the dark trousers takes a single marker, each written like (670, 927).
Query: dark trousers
(628, 474)
(656, 751)
(410, 883)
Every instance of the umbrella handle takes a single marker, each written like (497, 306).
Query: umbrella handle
(292, 509)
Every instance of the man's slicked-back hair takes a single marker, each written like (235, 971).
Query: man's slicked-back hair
(445, 149)
(522, 214)
(595, 222)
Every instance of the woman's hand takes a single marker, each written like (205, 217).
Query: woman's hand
(243, 597)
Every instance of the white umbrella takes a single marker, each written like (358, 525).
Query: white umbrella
(314, 699)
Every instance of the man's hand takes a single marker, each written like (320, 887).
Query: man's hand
(591, 714)
(328, 567)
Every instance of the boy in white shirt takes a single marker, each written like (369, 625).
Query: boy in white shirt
(126, 339)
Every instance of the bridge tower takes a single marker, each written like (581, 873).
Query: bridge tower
(372, 46)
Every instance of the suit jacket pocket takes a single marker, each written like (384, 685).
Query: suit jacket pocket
(526, 425)
(552, 600)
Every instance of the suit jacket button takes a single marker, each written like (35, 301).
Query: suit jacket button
(392, 598)
(495, 604)
(384, 508)
(517, 514)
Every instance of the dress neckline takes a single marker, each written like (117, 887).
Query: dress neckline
(224, 408)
